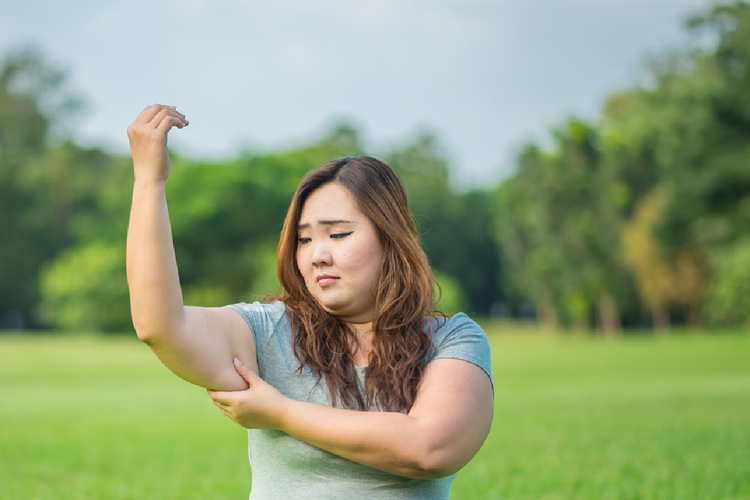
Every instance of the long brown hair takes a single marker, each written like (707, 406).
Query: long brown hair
(404, 300)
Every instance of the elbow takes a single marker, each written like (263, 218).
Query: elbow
(143, 331)
(435, 464)
(432, 461)
(144, 335)
(151, 331)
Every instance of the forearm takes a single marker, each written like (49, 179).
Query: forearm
(155, 294)
(195, 343)
(393, 442)
(446, 426)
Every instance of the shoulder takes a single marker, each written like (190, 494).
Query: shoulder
(458, 326)
(263, 319)
(273, 310)
(461, 337)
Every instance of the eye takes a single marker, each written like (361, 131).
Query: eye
(302, 241)
(341, 235)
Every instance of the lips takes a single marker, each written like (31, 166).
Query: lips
(325, 279)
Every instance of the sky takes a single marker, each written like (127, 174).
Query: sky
(484, 76)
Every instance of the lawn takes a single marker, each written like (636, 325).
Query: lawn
(637, 418)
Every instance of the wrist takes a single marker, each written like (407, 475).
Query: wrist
(285, 413)
(147, 183)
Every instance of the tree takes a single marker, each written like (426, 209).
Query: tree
(34, 100)
(85, 289)
(558, 223)
(456, 228)
(729, 304)
(532, 260)
(664, 279)
(226, 218)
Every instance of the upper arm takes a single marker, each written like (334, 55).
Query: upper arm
(203, 351)
(455, 404)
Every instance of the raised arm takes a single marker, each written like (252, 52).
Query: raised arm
(444, 429)
(198, 344)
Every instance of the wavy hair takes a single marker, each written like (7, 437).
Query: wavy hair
(404, 299)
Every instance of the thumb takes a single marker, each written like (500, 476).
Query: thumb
(245, 372)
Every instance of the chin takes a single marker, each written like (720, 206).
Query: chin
(341, 310)
(331, 307)
(335, 309)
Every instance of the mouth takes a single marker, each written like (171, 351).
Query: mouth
(325, 279)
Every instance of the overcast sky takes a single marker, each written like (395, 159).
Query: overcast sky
(484, 75)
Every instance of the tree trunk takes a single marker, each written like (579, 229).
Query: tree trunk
(693, 316)
(608, 315)
(547, 316)
(580, 324)
(661, 319)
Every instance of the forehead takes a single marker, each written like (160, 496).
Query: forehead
(330, 202)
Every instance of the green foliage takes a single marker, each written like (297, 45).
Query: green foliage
(33, 100)
(266, 281)
(562, 216)
(552, 233)
(558, 227)
(530, 257)
(81, 200)
(456, 228)
(452, 298)
(664, 278)
(730, 300)
(690, 129)
(86, 289)
(226, 218)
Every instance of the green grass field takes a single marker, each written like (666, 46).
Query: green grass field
(638, 418)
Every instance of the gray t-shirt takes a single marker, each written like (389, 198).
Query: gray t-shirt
(284, 467)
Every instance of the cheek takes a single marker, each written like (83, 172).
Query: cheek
(300, 260)
(376, 264)
(367, 259)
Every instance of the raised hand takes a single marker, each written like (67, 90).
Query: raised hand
(148, 141)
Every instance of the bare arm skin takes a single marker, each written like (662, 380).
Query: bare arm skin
(444, 429)
(198, 344)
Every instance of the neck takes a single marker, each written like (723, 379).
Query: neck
(363, 330)
(361, 350)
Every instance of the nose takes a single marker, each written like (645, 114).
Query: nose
(321, 256)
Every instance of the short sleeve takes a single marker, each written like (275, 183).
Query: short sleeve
(462, 338)
(262, 320)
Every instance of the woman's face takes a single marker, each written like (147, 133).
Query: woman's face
(339, 254)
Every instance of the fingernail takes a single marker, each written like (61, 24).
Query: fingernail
(238, 362)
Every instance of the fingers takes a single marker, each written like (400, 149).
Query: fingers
(226, 412)
(156, 114)
(148, 113)
(245, 372)
(167, 118)
(167, 122)
(221, 397)
(152, 126)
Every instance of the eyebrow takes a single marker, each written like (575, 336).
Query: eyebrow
(324, 223)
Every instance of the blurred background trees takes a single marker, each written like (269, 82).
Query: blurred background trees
(640, 218)
(645, 213)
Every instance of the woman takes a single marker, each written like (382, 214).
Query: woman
(350, 385)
